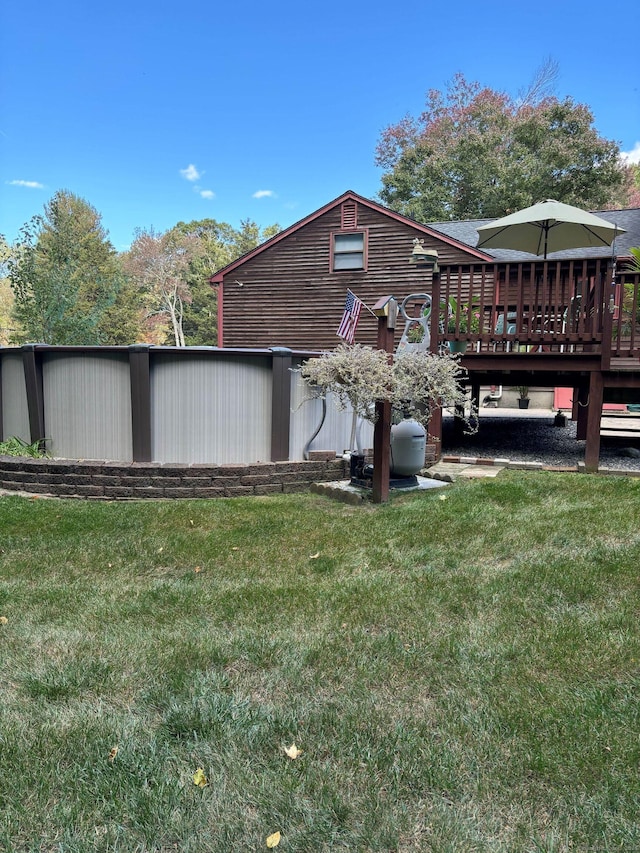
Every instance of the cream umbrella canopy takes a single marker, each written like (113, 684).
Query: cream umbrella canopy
(549, 226)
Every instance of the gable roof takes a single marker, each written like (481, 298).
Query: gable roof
(461, 234)
(431, 231)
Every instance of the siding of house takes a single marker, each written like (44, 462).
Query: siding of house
(286, 295)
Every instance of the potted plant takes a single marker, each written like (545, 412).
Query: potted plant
(460, 322)
(523, 396)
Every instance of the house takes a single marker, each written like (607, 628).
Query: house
(290, 291)
(566, 321)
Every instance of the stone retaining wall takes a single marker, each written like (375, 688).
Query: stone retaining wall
(136, 481)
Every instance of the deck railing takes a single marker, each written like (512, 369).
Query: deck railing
(561, 307)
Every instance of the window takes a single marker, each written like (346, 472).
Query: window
(348, 251)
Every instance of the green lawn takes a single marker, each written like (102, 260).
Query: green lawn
(459, 667)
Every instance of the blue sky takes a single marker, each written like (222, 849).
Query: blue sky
(157, 112)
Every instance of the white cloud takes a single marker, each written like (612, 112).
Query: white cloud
(191, 173)
(632, 156)
(207, 193)
(31, 185)
(264, 194)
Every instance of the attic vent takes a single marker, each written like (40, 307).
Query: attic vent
(349, 215)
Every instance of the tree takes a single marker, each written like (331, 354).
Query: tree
(219, 245)
(122, 322)
(249, 236)
(6, 295)
(478, 153)
(64, 274)
(631, 192)
(159, 265)
(172, 272)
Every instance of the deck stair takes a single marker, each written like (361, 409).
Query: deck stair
(620, 425)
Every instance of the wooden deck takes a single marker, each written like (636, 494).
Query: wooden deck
(565, 324)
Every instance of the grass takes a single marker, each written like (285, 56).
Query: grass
(460, 674)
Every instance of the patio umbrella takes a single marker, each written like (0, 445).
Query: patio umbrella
(549, 226)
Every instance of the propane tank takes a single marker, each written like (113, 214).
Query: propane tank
(408, 445)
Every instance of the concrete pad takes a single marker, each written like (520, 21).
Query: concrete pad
(344, 491)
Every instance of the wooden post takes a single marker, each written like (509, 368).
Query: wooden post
(32, 363)
(280, 403)
(581, 403)
(594, 414)
(435, 424)
(574, 404)
(140, 382)
(386, 310)
(608, 307)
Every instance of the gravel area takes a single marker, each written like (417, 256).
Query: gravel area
(534, 438)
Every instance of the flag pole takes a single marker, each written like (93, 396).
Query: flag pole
(364, 304)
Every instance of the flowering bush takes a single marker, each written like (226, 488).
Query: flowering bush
(416, 383)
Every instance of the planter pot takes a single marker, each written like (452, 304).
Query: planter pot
(457, 346)
(523, 403)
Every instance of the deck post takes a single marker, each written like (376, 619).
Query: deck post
(594, 415)
(574, 404)
(582, 402)
(386, 310)
(608, 308)
(435, 424)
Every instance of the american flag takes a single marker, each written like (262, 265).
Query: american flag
(349, 322)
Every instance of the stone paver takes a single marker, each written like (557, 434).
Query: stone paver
(469, 468)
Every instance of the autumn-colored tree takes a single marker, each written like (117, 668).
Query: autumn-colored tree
(632, 185)
(64, 274)
(479, 153)
(159, 265)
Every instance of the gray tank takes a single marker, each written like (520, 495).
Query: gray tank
(408, 445)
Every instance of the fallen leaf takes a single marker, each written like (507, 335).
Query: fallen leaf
(199, 778)
(273, 840)
(314, 556)
(293, 752)
(442, 497)
(197, 570)
(3, 620)
(113, 752)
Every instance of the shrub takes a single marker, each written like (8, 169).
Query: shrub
(415, 383)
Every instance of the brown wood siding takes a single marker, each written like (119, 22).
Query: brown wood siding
(289, 296)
